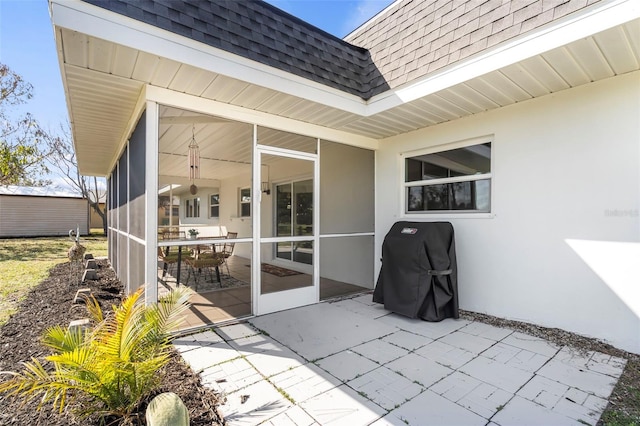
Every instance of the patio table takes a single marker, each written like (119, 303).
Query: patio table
(196, 247)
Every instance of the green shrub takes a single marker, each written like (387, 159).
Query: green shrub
(114, 363)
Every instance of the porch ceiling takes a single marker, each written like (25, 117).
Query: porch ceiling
(103, 81)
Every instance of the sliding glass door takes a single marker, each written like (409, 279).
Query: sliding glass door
(294, 217)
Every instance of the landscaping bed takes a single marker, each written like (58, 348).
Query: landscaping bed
(51, 303)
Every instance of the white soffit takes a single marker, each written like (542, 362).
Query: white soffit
(558, 33)
(106, 25)
(103, 79)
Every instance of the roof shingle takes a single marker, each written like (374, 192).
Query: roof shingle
(408, 40)
(449, 31)
(256, 30)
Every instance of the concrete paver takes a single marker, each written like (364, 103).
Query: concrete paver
(520, 411)
(254, 344)
(187, 343)
(237, 331)
(422, 371)
(342, 406)
(433, 330)
(467, 342)
(485, 400)
(477, 396)
(562, 399)
(304, 382)
(566, 368)
(406, 340)
(606, 364)
(434, 409)
(308, 335)
(347, 365)
(230, 376)
(368, 310)
(207, 356)
(386, 388)
(516, 357)
(531, 343)
(380, 351)
(270, 363)
(497, 374)
(445, 354)
(254, 404)
(487, 331)
(294, 416)
(352, 363)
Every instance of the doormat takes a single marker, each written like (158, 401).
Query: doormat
(276, 270)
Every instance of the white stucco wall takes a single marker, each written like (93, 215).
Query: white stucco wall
(566, 192)
(229, 211)
(346, 206)
(203, 220)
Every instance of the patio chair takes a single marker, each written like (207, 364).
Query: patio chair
(173, 235)
(167, 259)
(227, 249)
(203, 262)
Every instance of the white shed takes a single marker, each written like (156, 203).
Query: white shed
(39, 212)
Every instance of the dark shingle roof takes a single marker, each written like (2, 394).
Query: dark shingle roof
(256, 30)
(408, 40)
(413, 38)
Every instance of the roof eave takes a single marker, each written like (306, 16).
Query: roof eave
(544, 39)
(111, 26)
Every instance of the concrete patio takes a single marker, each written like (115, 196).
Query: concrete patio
(351, 362)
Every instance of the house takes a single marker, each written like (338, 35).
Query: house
(41, 212)
(516, 121)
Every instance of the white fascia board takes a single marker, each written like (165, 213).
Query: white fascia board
(246, 115)
(92, 20)
(104, 24)
(556, 34)
(63, 74)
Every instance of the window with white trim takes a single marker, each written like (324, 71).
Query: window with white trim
(214, 205)
(455, 180)
(192, 207)
(245, 202)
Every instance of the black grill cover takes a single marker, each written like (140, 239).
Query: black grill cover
(419, 277)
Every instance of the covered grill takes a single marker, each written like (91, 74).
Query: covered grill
(419, 276)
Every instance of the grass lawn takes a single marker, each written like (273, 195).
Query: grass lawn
(25, 262)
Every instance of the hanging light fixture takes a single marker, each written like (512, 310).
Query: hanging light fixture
(265, 186)
(194, 162)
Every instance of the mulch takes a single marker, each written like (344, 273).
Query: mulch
(51, 303)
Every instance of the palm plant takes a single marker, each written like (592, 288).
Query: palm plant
(114, 363)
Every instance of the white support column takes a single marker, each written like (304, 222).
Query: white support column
(128, 202)
(117, 219)
(256, 195)
(151, 196)
(316, 222)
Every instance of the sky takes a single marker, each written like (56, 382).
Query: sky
(27, 43)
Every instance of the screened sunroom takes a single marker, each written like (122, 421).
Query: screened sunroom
(252, 218)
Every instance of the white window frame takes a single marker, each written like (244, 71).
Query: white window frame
(195, 203)
(211, 205)
(451, 214)
(240, 202)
